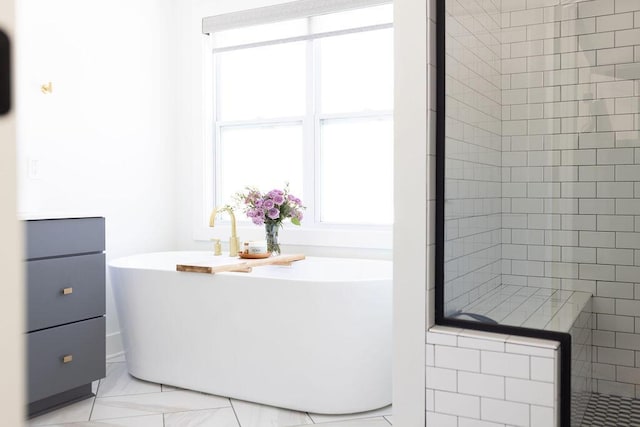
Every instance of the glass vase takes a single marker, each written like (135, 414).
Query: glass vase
(271, 230)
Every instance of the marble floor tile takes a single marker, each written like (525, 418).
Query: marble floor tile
(222, 417)
(125, 401)
(363, 422)
(118, 382)
(79, 411)
(318, 418)
(154, 403)
(144, 421)
(255, 415)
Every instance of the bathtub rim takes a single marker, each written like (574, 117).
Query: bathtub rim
(120, 263)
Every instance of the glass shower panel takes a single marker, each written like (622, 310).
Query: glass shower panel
(542, 170)
(473, 172)
(542, 182)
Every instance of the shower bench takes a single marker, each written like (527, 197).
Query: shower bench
(546, 309)
(532, 307)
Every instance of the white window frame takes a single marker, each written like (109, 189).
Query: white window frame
(312, 232)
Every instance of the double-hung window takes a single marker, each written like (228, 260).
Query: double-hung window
(306, 101)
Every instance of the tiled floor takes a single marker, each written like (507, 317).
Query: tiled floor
(611, 411)
(124, 401)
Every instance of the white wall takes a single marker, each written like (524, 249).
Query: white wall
(104, 140)
(11, 292)
(414, 154)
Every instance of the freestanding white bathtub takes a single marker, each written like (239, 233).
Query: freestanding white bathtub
(314, 336)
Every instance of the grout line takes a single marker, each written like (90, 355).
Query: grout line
(541, 307)
(102, 421)
(373, 417)
(234, 412)
(132, 379)
(516, 310)
(497, 291)
(135, 394)
(99, 384)
(557, 310)
(94, 399)
(486, 297)
(310, 417)
(158, 392)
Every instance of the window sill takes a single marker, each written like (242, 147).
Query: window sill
(326, 236)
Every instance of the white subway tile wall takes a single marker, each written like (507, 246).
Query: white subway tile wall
(474, 129)
(542, 190)
(571, 74)
(493, 387)
(484, 379)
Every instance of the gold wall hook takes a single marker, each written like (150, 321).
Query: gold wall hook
(46, 88)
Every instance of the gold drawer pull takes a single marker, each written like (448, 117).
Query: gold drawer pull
(67, 359)
(67, 291)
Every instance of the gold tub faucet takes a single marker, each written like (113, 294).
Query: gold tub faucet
(234, 242)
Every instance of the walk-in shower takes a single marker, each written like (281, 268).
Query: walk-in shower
(539, 180)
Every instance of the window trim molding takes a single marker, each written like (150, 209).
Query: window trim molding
(347, 236)
(304, 38)
(282, 12)
(354, 237)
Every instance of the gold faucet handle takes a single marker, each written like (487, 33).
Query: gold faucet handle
(217, 247)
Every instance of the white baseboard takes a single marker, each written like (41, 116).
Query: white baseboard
(114, 345)
(117, 357)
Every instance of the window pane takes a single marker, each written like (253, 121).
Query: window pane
(262, 82)
(356, 72)
(266, 157)
(357, 171)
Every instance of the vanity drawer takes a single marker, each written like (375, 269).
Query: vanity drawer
(56, 237)
(83, 278)
(48, 373)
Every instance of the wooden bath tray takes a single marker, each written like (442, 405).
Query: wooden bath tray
(243, 267)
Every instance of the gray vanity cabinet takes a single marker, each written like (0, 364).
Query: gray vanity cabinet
(65, 274)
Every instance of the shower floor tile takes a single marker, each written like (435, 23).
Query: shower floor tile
(611, 411)
(124, 401)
